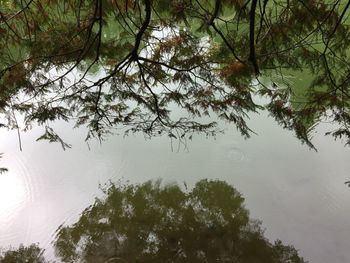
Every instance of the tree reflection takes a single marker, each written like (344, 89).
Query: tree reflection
(154, 223)
(30, 254)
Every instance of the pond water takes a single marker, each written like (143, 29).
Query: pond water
(299, 194)
(211, 54)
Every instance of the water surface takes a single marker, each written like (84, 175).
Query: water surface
(299, 194)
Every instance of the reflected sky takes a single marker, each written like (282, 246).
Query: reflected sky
(299, 194)
(12, 196)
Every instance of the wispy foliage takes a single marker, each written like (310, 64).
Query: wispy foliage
(127, 64)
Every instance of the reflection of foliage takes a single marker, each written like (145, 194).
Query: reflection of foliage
(31, 254)
(150, 223)
(202, 56)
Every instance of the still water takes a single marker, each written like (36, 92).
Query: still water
(299, 194)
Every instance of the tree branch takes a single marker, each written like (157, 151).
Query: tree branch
(252, 55)
(145, 24)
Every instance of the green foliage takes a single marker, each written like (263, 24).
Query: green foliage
(125, 63)
(154, 223)
(30, 254)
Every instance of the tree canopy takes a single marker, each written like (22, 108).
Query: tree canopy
(109, 64)
(30, 254)
(153, 223)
